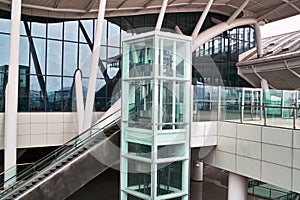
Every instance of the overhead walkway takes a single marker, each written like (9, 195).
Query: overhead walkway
(71, 166)
(257, 132)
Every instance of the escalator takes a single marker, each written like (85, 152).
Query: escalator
(68, 168)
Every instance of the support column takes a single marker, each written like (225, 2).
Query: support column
(259, 45)
(161, 15)
(237, 187)
(79, 101)
(201, 19)
(89, 105)
(11, 93)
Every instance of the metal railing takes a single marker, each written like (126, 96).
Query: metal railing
(21, 179)
(278, 108)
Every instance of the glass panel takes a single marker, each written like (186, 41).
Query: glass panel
(36, 96)
(55, 30)
(70, 58)
(140, 57)
(68, 96)
(5, 25)
(55, 94)
(38, 29)
(176, 150)
(139, 176)
(23, 100)
(101, 102)
(54, 58)
(140, 104)
(4, 49)
(71, 31)
(114, 35)
(88, 26)
(24, 51)
(169, 178)
(40, 47)
(139, 149)
(85, 57)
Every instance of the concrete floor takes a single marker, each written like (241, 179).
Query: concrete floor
(106, 187)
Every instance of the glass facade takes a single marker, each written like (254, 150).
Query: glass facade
(51, 50)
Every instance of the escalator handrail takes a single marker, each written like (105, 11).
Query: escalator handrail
(55, 153)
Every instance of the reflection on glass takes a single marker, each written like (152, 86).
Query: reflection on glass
(139, 176)
(169, 178)
(36, 102)
(68, 95)
(24, 51)
(55, 93)
(113, 34)
(70, 58)
(54, 57)
(40, 47)
(85, 57)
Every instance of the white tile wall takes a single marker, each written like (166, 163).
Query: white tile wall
(276, 175)
(248, 167)
(197, 141)
(296, 139)
(249, 149)
(296, 158)
(277, 154)
(296, 180)
(277, 136)
(249, 132)
(23, 141)
(226, 144)
(225, 161)
(227, 129)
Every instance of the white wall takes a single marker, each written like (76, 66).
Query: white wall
(37, 129)
(271, 155)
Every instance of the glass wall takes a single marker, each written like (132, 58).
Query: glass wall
(51, 50)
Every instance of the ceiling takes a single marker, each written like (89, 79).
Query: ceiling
(264, 10)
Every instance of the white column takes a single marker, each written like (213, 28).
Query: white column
(89, 104)
(237, 187)
(11, 96)
(201, 19)
(79, 101)
(259, 45)
(161, 15)
(237, 12)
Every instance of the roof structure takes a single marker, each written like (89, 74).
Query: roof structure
(279, 65)
(263, 10)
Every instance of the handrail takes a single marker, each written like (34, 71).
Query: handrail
(40, 166)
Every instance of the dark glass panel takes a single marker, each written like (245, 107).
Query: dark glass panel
(55, 93)
(68, 95)
(36, 102)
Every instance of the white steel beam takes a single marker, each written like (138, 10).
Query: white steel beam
(178, 30)
(11, 93)
(218, 29)
(89, 105)
(161, 15)
(237, 12)
(258, 39)
(202, 19)
(79, 100)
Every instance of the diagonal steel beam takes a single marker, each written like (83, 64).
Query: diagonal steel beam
(90, 5)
